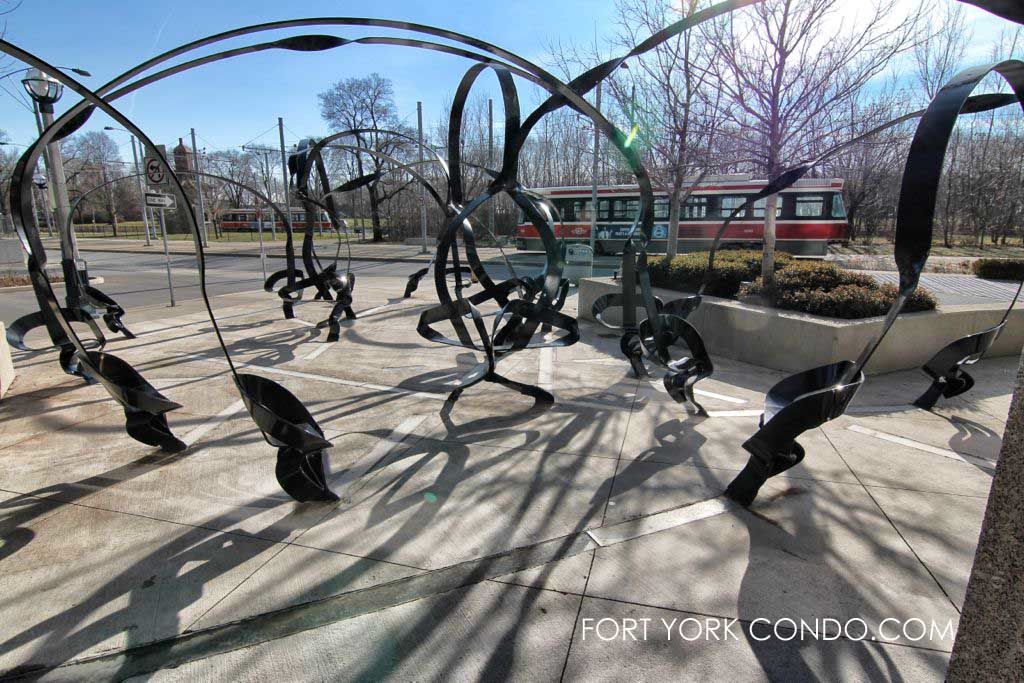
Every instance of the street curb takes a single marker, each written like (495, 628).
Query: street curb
(248, 255)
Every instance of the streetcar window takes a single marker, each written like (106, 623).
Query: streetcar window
(730, 203)
(564, 207)
(838, 208)
(660, 209)
(604, 208)
(631, 207)
(696, 207)
(760, 204)
(810, 206)
(581, 210)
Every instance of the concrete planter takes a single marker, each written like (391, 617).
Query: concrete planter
(791, 342)
(6, 365)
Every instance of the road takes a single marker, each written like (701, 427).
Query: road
(137, 280)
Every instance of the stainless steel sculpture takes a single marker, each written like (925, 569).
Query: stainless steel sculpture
(523, 306)
(283, 420)
(808, 399)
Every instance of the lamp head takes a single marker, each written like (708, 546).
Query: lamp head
(42, 88)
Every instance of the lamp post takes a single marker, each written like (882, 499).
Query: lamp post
(45, 91)
(142, 187)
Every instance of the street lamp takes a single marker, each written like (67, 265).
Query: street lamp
(142, 187)
(45, 91)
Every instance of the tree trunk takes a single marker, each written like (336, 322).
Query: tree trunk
(378, 235)
(673, 221)
(768, 254)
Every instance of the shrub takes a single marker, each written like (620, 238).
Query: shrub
(999, 268)
(827, 290)
(732, 268)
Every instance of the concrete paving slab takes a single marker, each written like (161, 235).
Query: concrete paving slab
(886, 464)
(663, 432)
(118, 580)
(29, 415)
(942, 529)
(485, 632)
(296, 575)
(438, 503)
(819, 550)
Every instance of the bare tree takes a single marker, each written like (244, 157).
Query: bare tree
(93, 159)
(939, 54)
(367, 103)
(790, 69)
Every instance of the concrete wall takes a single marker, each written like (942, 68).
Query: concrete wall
(791, 342)
(6, 365)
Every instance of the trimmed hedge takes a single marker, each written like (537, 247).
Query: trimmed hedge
(733, 267)
(814, 287)
(999, 268)
(825, 289)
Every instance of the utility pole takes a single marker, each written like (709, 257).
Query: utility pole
(199, 190)
(68, 243)
(490, 159)
(423, 196)
(287, 184)
(593, 173)
(265, 152)
(142, 191)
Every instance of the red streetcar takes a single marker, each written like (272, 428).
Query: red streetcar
(810, 216)
(245, 219)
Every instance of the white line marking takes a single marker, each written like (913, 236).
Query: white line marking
(214, 422)
(625, 531)
(720, 397)
(375, 309)
(927, 448)
(320, 348)
(734, 413)
(904, 408)
(304, 322)
(349, 483)
(659, 386)
(546, 369)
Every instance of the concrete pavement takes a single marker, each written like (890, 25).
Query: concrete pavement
(497, 542)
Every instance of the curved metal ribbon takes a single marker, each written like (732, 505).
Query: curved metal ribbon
(809, 399)
(280, 416)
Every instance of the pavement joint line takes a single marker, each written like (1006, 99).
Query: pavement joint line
(924, 447)
(215, 640)
(349, 484)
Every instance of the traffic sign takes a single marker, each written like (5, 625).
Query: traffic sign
(156, 200)
(155, 173)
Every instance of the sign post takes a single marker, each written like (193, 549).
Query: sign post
(162, 202)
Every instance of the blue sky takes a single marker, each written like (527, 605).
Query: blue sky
(234, 102)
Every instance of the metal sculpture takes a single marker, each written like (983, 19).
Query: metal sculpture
(523, 304)
(809, 399)
(281, 417)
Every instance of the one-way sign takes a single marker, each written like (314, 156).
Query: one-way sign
(157, 200)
